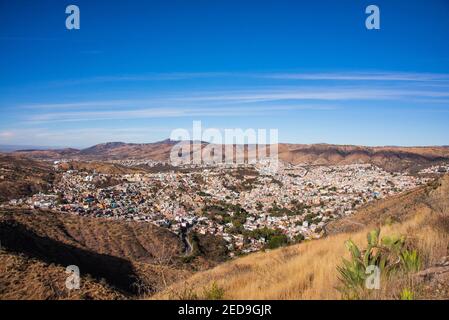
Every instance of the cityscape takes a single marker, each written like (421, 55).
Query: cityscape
(243, 204)
(227, 156)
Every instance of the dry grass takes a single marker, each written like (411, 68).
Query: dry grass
(133, 258)
(24, 278)
(308, 270)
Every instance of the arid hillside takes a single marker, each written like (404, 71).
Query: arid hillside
(46, 154)
(117, 259)
(107, 151)
(389, 158)
(308, 270)
(21, 177)
(99, 167)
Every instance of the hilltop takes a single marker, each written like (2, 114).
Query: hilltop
(308, 270)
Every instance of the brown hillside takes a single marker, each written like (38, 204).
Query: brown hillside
(389, 158)
(21, 177)
(120, 258)
(47, 154)
(99, 167)
(22, 277)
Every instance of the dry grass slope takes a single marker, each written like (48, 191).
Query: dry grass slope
(308, 270)
(120, 259)
(21, 177)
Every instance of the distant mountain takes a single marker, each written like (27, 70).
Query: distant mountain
(47, 154)
(11, 148)
(120, 150)
(103, 147)
(388, 157)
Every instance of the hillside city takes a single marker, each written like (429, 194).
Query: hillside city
(248, 206)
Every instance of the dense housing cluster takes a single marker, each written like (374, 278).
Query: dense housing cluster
(248, 206)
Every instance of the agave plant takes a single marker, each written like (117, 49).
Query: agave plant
(387, 254)
(411, 261)
(352, 273)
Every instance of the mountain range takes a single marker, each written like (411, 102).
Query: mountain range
(388, 157)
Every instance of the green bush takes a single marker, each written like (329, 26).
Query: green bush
(273, 238)
(277, 241)
(300, 237)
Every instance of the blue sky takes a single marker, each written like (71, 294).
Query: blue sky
(136, 70)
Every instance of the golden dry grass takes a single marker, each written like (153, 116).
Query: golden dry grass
(308, 270)
(22, 277)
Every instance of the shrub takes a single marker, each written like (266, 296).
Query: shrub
(214, 292)
(300, 237)
(277, 241)
(186, 293)
(407, 294)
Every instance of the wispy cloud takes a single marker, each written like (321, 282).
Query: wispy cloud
(362, 76)
(218, 103)
(6, 134)
(310, 76)
(355, 77)
(168, 76)
(82, 137)
(319, 93)
(170, 113)
(47, 120)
